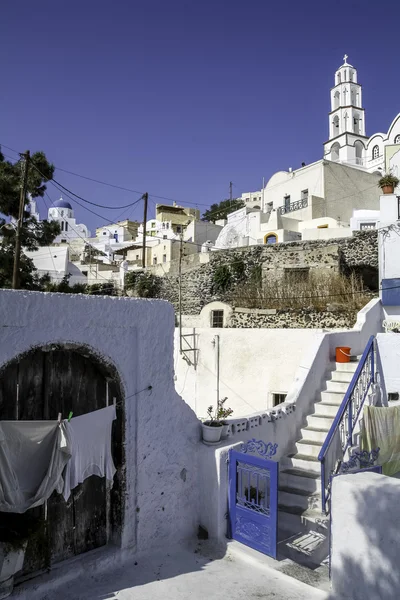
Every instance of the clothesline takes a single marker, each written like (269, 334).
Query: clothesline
(120, 403)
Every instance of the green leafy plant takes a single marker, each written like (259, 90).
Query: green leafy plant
(238, 268)
(216, 416)
(222, 210)
(222, 279)
(388, 180)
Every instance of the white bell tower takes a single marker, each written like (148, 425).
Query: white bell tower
(347, 139)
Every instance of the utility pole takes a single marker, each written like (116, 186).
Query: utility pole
(180, 291)
(17, 252)
(145, 198)
(230, 191)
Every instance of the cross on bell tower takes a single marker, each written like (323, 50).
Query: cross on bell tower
(346, 118)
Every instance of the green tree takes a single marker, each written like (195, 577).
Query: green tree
(33, 234)
(222, 210)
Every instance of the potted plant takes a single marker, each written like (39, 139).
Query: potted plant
(388, 182)
(213, 426)
(222, 414)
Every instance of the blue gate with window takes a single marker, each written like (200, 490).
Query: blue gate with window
(253, 497)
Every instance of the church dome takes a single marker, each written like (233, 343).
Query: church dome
(61, 204)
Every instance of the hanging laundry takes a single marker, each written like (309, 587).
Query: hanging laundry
(33, 455)
(381, 429)
(90, 436)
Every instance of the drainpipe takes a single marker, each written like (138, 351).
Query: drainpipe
(217, 345)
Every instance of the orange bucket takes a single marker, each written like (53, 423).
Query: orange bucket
(343, 354)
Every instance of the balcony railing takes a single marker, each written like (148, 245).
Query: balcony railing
(298, 205)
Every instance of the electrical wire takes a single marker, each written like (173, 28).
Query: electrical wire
(94, 203)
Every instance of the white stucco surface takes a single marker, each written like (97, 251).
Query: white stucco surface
(389, 352)
(253, 363)
(161, 432)
(365, 537)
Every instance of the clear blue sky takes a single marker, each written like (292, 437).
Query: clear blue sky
(179, 97)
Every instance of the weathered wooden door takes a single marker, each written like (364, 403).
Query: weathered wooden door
(39, 386)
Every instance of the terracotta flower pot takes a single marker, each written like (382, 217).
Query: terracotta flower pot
(388, 189)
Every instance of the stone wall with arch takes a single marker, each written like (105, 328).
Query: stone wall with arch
(133, 338)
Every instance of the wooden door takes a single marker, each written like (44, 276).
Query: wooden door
(39, 386)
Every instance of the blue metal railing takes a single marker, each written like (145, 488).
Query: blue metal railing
(347, 416)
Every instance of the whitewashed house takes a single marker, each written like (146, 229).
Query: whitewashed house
(317, 201)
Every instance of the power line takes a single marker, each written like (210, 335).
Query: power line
(94, 203)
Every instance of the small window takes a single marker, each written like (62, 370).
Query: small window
(167, 225)
(104, 232)
(278, 399)
(62, 225)
(165, 237)
(66, 225)
(217, 318)
(375, 152)
(137, 256)
(62, 213)
(397, 139)
(63, 241)
(84, 273)
(270, 239)
(364, 226)
(164, 258)
(304, 194)
(178, 229)
(153, 225)
(154, 260)
(163, 225)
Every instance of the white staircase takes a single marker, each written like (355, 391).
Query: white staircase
(303, 528)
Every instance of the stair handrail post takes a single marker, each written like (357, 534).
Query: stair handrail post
(350, 423)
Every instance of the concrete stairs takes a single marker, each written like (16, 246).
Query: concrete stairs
(303, 530)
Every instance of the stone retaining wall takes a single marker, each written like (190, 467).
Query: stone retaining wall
(292, 319)
(357, 254)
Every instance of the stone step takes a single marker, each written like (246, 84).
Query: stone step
(326, 410)
(294, 497)
(314, 434)
(308, 447)
(309, 549)
(349, 367)
(332, 397)
(337, 386)
(320, 421)
(301, 479)
(344, 376)
(294, 521)
(305, 462)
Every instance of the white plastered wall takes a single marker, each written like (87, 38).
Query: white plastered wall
(161, 432)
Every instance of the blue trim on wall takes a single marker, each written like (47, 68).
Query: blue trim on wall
(391, 292)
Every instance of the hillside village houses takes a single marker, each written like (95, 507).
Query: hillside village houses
(118, 247)
(327, 199)
(331, 197)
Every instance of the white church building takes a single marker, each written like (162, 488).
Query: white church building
(61, 211)
(317, 201)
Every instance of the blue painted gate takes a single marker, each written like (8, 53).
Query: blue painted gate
(253, 497)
